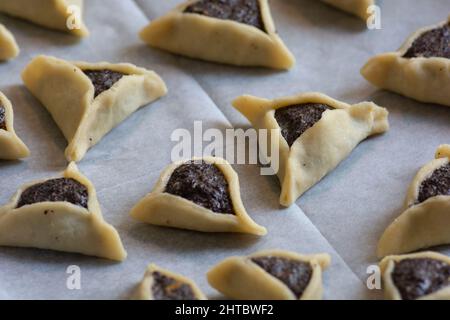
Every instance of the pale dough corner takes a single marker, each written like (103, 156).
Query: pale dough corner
(8, 45)
(170, 285)
(356, 7)
(69, 95)
(53, 14)
(422, 224)
(423, 78)
(218, 40)
(60, 225)
(243, 278)
(391, 289)
(11, 146)
(321, 147)
(165, 209)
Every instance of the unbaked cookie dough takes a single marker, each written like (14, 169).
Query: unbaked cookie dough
(314, 134)
(61, 214)
(237, 32)
(420, 69)
(87, 100)
(425, 221)
(11, 147)
(358, 8)
(8, 45)
(54, 14)
(202, 194)
(419, 276)
(271, 275)
(161, 284)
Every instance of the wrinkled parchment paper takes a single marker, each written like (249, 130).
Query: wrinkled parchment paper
(343, 215)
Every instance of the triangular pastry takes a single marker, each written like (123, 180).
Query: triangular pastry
(238, 32)
(419, 276)
(11, 147)
(202, 194)
(53, 14)
(8, 45)
(425, 221)
(356, 7)
(420, 69)
(314, 133)
(87, 100)
(61, 214)
(270, 275)
(161, 284)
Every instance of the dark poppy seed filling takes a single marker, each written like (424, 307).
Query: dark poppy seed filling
(202, 183)
(438, 184)
(415, 278)
(243, 11)
(433, 43)
(103, 79)
(296, 275)
(2, 117)
(56, 190)
(165, 288)
(295, 120)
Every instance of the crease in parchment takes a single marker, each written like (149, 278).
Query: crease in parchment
(215, 103)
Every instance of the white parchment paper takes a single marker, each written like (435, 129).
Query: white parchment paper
(354, 204)
(127, 162)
